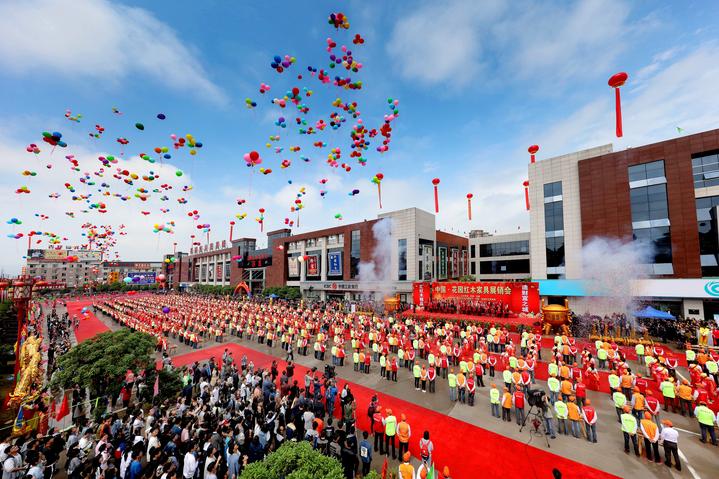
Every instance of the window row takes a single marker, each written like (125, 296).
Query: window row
(512, 266)
(508, 248)
(646, 171)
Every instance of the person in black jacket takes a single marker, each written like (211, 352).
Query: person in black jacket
(349, 460)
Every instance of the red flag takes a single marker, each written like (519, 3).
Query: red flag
(156, 389)
(64, 408)
(384, 469)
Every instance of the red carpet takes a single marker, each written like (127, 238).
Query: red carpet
(89, 324)
(492, 454)
(427, 316)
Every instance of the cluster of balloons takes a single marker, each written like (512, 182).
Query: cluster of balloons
(264, 88)
(338, 20)
(280, 64)
(14, 221)
(32, 148)
(54, 139)
(249, 103)
(252, 159)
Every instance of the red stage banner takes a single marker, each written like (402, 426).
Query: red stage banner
(521, 297)
(420, 293)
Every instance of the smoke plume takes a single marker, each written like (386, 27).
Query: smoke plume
(376, 275)
(610, 266)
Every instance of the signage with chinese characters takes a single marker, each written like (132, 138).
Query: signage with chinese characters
(254, 261)
(334, 263)
(442, 251)
(521, 297)
(312, 269)
(455, 262)
(420, 293)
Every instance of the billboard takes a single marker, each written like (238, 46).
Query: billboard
(87, 255)
(312, 269)
(293, 266)
(47, 254)
(442, 262)
(247, 261)
(334, 263)
(521, 297)
(144, 277)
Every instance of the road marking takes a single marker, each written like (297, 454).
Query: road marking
(691, 469)
(688, 432)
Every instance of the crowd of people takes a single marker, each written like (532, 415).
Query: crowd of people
(469, 307)
(249, 410)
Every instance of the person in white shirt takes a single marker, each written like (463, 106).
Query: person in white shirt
(190, 466)
(670, 438)
(153, 440)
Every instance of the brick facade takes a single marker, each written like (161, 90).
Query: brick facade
(605, 200)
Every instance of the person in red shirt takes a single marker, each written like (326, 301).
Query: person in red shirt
(367, 360)
(518, 402)
(580, 393)
(492, 361)
(395, 368)
(651, 403)
(470, 390)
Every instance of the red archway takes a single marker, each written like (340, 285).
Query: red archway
(242, 285)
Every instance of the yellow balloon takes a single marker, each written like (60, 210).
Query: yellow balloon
(193, 152)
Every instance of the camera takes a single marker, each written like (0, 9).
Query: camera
(535, 397)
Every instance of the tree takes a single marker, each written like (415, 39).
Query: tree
(294, 460)
(100, 363)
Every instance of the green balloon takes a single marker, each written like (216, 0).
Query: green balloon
(139, 126)
(178, 173)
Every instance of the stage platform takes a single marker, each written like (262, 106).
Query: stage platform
(427, 316)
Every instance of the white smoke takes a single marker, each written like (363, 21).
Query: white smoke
(376, 275)
(611, 265)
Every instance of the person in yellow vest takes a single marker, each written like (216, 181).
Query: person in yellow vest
(417, 373)
(650, 432)
(562, 412)
(423, 378)
(406, 470)
(355, 360)
(575, 417)
(669, 393)
(382, 366)
(602, 357)
(494, 400)
(452, 382)
(390, 431)
(554, 385)
(506, 405)
(404, 432)
(620, 400)
(707, 420)
(690, 354)
(629, 429)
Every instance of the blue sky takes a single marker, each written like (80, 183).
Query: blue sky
(477, 82)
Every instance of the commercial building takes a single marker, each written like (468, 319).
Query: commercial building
(663, 194)
(72, 267)
(370, 259)
(500, 257)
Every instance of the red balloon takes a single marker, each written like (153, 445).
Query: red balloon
(254, 155)
(470, 196)
(379, 176)
(533, 149)
(435, 181)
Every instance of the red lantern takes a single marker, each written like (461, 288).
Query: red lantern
(435, 182)
(532, 151)
(526, 193)
(469, 205)
(232, 225)
(616, 81)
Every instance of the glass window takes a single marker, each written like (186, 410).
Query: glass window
(649, 203)
(402, 257)
(511, 266)
(227, 271)
(553, 216)
(705, 169)
(473, 267)
(646, 171)
(472, 251)
(355, 253)
(508, 248)
(555, 251)
(552, 189)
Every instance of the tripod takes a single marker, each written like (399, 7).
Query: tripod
(536, 413)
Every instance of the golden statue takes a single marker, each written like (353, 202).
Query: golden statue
(29, 373)
(555, 317)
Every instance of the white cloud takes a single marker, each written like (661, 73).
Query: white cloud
(538, 41)
(98, 39)
(440, 43)
(674, 91)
